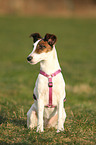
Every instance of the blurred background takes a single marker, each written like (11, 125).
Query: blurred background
(74, 24)
(49, 7)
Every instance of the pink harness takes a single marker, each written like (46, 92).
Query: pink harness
(50, 85)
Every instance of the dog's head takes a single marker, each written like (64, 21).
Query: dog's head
(41, 47)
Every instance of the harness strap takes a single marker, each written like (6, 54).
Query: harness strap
(50, 85)
(52, 75)
(35, 98)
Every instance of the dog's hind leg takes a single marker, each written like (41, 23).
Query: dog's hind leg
(31, 117)
(53, 121)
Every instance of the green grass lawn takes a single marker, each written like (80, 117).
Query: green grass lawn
(76, 47)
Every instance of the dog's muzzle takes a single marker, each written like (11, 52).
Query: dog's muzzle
(29, 58)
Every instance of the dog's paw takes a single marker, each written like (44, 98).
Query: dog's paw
(39, 130)
(59, 130)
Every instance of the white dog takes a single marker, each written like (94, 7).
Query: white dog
(49, 92)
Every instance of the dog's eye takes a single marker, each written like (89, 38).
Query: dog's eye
(42, 46)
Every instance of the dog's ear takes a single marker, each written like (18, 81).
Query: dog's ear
(36, 36)
(50, 38)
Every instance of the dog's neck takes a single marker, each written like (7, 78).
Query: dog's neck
(51, 64)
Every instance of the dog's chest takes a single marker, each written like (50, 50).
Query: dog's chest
(42, 89)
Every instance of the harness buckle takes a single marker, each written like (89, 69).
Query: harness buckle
(50, 84)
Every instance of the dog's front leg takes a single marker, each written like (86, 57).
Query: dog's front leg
(60, 126)
(40, 115)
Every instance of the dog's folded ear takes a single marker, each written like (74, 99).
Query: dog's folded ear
(50, 38)
(36, 36)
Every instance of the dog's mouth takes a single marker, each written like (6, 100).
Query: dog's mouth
(33, 62)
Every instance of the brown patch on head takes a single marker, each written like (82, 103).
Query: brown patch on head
(43, 46)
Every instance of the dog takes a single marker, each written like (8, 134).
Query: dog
(49, 92)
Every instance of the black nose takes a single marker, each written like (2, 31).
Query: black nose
(29, 58)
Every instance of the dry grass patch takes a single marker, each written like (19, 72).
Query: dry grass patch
(82, 88)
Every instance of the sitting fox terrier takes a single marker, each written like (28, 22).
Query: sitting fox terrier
(49, 92)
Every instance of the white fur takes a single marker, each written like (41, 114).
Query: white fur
(38, 115)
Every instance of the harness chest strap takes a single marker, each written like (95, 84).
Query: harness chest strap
(35, 98)
(50, 85)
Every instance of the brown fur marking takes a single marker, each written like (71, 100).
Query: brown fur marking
(43, 46)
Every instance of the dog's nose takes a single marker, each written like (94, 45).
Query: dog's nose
(29, 58)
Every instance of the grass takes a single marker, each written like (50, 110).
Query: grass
(76, 47)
